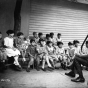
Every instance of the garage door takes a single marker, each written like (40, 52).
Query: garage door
(59, 17)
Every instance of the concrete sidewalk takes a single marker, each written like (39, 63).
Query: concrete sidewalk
(40, 79)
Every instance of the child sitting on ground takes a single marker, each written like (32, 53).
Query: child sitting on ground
(61, 55)
(31, 53)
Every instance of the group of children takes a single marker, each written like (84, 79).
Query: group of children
(38, 49)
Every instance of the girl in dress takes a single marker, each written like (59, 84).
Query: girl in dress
(10, 50)
(21, 44)
(42, 55)
(51, 52)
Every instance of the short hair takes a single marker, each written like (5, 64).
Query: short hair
(10, 32)
(47, 35)
(58, 43)
(70, 43)
(34, 33)
(48, 42)
(19, 34)
(51, 33)
(40, 33)
(32, 40)
(41, 40)
(75, 41)
(59, 34)
(86, 42)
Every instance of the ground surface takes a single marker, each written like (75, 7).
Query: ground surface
(40, 79)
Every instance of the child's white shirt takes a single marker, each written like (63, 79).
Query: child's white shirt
(77, 50)
(58, 40)
(8, 42)
(60, 50)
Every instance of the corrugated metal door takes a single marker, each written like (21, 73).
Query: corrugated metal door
(51, 17)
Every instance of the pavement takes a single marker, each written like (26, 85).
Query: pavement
(39, 79)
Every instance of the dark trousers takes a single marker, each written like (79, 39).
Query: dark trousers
(78, 61)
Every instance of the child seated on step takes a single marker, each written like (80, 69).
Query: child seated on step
(77, 47)
(40, 35)
(42, 54)
(61, 55)
(47, 38)
(31, 53)
(58, 39)
(35, 37)
(19, 43)
(70, 53)
(51, 53)
(52, 39)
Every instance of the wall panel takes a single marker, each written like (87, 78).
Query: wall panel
(70, 21)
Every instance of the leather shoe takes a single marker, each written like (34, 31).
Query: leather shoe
(18, 68)
(28, 69)
(78, 80)
(50, 68)
(70, 74)
(43, 69)
(38, 69)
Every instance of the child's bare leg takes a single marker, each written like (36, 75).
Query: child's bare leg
(47, 60)
(38, 63)
(64, 63)
(23, 55)
(16, 60)
(29, 64)
(43, 62)
(18, 66)
(52, 62)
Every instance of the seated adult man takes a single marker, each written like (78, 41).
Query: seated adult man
(78, 61)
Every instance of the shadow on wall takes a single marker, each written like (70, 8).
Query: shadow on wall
(6, 15)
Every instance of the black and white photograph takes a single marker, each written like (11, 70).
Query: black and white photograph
(43, 43)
